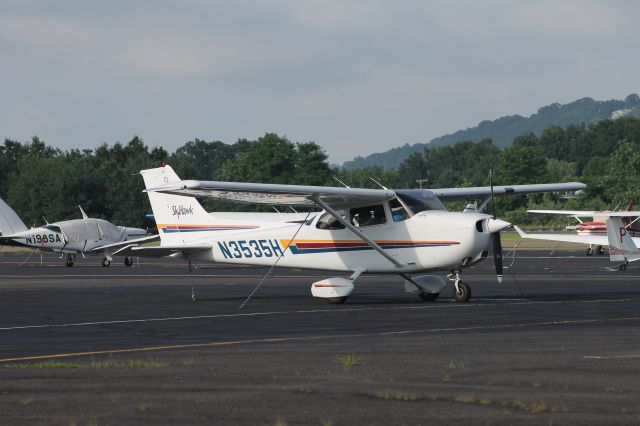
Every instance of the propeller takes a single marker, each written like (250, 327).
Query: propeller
(495, 235)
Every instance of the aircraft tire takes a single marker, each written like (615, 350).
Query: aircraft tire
(600, 250)
(128, 261)
(429, 297)
(69, 261)
(337, 300)
(623, 267)
(106, 262)
(463, 294)
(589, 251)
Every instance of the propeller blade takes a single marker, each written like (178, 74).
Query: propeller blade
(497, 255)
(493, 203)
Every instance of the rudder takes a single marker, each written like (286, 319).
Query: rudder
(176, 215)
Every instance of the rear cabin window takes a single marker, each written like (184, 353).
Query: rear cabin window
(368, 215)
(327, 221)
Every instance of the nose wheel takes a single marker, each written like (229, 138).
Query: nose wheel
(461, 290)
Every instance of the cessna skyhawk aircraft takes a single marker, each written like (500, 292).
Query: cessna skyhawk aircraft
(402, 232)
(597, 226)
(622, 247)
(86, 235)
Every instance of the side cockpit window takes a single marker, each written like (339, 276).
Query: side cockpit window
(368, 215)
(398, 212)
(419, 200)
(54, 228)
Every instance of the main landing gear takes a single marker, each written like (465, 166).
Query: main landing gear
(70, 259)
(461, 291)
(599, 249)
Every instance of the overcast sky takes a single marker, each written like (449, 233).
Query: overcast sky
(356, 77)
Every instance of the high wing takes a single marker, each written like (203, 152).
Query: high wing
(120, 244)
(600, 240)
(264, 193)
(336, 197)
(479, 192)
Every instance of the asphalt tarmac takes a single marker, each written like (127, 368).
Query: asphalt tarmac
(557, 343)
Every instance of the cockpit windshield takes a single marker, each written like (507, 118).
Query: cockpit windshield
(54, 228)
(419, 200)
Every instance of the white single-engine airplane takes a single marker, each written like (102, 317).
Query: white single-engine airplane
(622, 246)
(402, 232)
(86, 235)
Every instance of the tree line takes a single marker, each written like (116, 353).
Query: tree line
(45, 183)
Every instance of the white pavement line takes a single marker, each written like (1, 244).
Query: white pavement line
(311, 311)
(611, 356)
(272, 340)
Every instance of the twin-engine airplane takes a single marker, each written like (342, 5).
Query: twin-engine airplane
(86, 235)
(622, 246)
(402, 232)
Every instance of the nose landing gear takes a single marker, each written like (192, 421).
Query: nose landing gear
(461, 291)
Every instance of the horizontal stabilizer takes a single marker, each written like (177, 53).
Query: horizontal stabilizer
(162, 251)
(600, 240)
(120, 244)
(587, 213)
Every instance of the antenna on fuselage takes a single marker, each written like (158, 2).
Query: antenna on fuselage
(340, 182)
(379, 184)
(84, 215)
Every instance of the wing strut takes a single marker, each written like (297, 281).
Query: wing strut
(356, 231)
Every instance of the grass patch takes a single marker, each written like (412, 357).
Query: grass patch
(280, 422)
(465, 399)
(347, 361)
(456, 365)
(25, 402)
(46, 364)
(398, 396)
(133, 363)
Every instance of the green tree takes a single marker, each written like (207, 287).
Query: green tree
(623, 177)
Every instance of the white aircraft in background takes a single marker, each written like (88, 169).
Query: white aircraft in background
(86, 235)
(596, 226)
(402, 232)
(622, 246)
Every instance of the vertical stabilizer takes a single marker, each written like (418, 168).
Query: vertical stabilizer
(621, 245)
(178, 218)
(10, 223)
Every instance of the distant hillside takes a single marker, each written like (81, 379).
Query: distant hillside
(504, 129)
